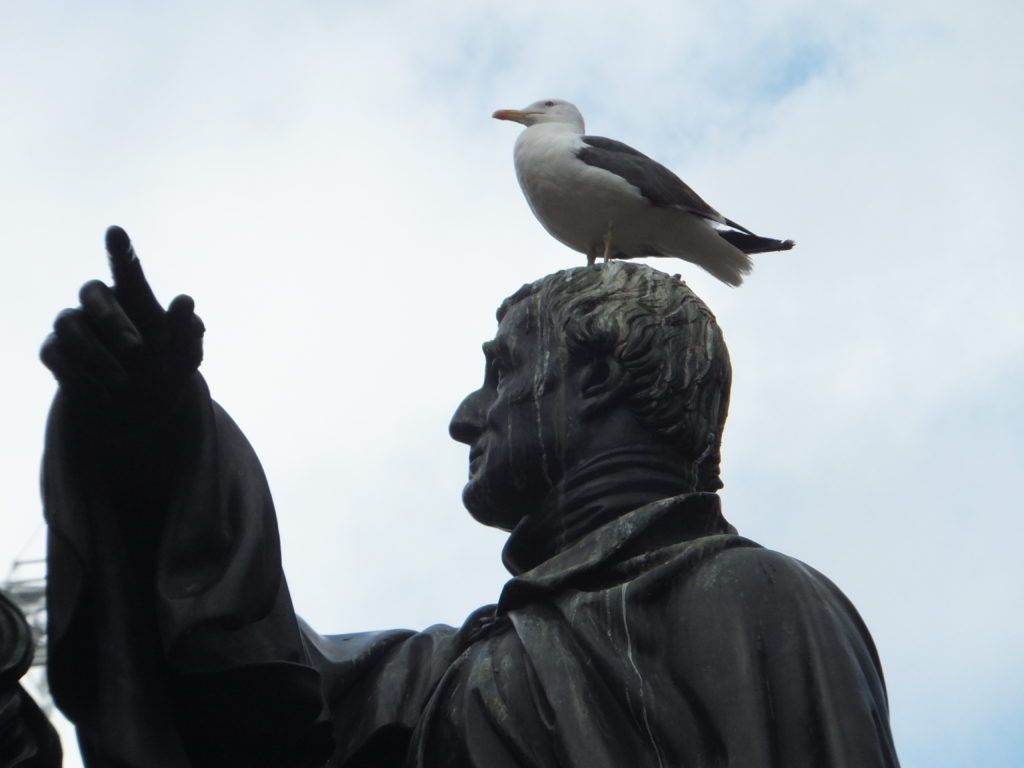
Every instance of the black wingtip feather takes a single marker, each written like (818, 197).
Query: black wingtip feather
(751, 243)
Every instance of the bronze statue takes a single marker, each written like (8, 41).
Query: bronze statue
(27, 739)
(638, 628)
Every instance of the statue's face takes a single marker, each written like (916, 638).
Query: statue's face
(519, 423)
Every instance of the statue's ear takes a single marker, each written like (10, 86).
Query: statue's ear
(603, 384)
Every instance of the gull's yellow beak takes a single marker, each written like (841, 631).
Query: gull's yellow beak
(516, 115)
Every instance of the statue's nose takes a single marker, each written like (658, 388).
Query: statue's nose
(468, 422)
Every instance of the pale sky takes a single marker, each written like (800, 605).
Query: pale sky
(325, 180)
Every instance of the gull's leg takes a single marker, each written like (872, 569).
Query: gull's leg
(591, 255)
(608, 243)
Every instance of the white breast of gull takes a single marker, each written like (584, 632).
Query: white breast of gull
(603, 198)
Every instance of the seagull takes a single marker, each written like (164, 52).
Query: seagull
(600, 196)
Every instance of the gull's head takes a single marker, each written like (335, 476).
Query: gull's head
(556, 111)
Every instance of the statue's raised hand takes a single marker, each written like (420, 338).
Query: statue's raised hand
(120, 355)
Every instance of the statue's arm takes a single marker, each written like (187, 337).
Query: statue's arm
(172, 636)
(173, 640)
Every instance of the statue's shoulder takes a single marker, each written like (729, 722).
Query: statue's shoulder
(752, 560)
(758, 581)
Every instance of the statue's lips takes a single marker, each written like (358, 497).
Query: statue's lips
(475, 454)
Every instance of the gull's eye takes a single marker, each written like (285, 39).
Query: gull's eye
(549, 103)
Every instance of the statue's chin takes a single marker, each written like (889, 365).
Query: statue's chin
(480, 504)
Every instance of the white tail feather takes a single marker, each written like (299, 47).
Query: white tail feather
(696, 241)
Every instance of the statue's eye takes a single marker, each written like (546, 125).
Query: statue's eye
(499, 370)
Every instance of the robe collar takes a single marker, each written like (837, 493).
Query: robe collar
(612, 486)
(628, 546)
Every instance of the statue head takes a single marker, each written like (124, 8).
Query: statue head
(586, 361)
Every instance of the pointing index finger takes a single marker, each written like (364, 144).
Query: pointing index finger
(118, 242)
(130, 286)
(122, 254)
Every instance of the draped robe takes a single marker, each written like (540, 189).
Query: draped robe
(654, 636)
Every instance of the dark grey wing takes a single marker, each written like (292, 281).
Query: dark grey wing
(655, 182)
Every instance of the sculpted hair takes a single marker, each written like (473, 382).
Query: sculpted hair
(663, 335)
